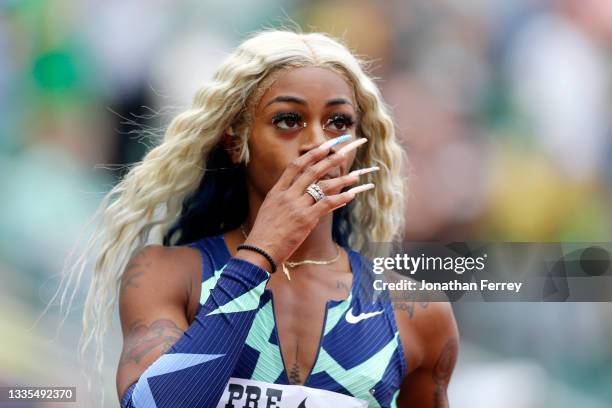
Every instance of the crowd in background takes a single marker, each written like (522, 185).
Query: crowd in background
(504, 109)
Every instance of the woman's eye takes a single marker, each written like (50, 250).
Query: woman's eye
(290, 120)
(339, 123)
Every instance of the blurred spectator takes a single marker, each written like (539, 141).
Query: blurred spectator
(560, 72)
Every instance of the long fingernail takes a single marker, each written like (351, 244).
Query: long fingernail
(336, 141)
(359, 172)
(352, 146)
(361, 188)
(340, 206)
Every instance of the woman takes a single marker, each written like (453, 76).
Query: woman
(255, 300)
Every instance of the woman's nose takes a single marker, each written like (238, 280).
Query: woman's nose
(314, 135)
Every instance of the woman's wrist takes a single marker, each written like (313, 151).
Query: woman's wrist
(259, 250)
(254, 258)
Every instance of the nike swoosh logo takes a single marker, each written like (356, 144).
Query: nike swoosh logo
(356, 319)
(303, 403)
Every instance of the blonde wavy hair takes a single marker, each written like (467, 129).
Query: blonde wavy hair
(150, 195)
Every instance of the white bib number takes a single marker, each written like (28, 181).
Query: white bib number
(241, 393)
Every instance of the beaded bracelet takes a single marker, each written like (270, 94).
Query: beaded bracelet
(259, 251)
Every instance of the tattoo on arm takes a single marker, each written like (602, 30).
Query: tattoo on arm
(160, 335)
(442, 372)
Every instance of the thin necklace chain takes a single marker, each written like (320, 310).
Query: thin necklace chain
(293, 264)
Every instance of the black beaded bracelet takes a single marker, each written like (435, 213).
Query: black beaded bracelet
(259, 251)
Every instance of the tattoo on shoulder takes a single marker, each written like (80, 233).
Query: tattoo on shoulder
(442, 371)
(343, 286)
(410, 306)
(159, 335)
(134, 270)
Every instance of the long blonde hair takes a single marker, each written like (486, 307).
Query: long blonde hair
(150, 195)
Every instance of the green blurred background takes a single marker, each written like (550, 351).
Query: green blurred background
(504, 108)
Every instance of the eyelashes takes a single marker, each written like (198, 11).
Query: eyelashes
(348, 119)
(290, 118)
(294, 121)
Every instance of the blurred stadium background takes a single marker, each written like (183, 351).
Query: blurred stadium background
(504, 108)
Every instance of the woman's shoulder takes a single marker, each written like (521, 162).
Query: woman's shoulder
(162, 264)
(169, 272)
(423, 326)
(427, 325)
(168, 256)
(177, 258)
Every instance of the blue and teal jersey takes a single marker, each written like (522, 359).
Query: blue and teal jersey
(360, 352)
(230, 354)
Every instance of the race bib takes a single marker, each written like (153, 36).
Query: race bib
(241, 393)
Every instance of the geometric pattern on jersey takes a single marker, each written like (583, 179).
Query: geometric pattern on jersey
(364, 360)
(192, 372)
(167, 363)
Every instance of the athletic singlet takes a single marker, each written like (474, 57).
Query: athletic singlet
(360, 353)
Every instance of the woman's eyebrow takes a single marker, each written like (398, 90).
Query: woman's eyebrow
(295, 99)
(287, 98)
(337, 101)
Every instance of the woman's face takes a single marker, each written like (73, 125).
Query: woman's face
(315, 96)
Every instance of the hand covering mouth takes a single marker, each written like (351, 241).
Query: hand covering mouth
(330, 175)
